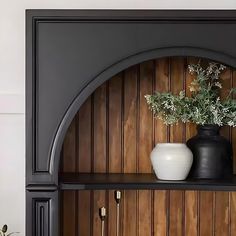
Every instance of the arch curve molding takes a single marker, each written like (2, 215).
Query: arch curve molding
(113, 70)
(70, 54)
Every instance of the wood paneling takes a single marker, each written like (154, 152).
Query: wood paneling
(130, 117)
(191, 223)
(114, 143)
(115, 132)
(100, 147)
(221, 213)
(84, 165)
(69, 197)
(161, 134)
(177, 134)
(144, 145)
(191, 213)
(232, 208)
(206, 213)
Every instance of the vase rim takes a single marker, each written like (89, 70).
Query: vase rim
(214, 128)
(208, 125)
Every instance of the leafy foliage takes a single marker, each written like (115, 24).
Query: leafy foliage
(3, 231)
(204, 106)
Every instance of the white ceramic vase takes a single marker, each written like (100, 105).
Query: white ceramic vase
(171, 161)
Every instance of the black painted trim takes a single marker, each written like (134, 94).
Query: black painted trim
(113, 70)
(41, 188)
(42, 212)
(34, 16)
(70, 181)
(143, 15)
(42, 209)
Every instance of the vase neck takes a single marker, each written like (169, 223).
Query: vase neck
(208, 130)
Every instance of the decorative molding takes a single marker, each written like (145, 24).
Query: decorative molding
(41, 187)
(42, 213)
(12, 103)
(53, 99)
(41, 208)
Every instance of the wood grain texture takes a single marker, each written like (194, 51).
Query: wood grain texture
(191, 213)
(115, 132)
(69, 198)
(130, 119)
(100, 159)
(84, 165)
(69, 149)
(115, 123)
(191, 197)
(130, 146)
(145, 138)
(232, 207)
(221, 213)
(176, 213)
(144, 212)
(100, 129)
(161, 134)
(85, 139)
(161, 84)
(160, 211)
(112, 214)
(177, 72)
(177, 134)
(145, 203)
(130, 212)
(206, 213)
(115, 145)
(222, 199)
(69, 223)
(84, 213)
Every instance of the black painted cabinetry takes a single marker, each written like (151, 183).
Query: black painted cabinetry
(69, 53)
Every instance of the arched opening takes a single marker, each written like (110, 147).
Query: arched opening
(113, 70)
(114, 132)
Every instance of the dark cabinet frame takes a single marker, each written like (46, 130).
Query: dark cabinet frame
(102, 43)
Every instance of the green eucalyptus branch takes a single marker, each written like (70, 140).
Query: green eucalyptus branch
(204, 106)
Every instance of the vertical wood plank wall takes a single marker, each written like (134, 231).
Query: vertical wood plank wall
(114, 132)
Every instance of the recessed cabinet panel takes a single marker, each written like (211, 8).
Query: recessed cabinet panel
(42, 210)
(114, 132)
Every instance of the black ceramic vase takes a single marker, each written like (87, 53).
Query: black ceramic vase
(212, 154)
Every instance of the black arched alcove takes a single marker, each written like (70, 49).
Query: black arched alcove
(71, 53)
(113, 70)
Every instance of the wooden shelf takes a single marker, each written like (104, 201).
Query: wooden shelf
(73, 181)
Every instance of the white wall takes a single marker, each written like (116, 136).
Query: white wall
(12, 79)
